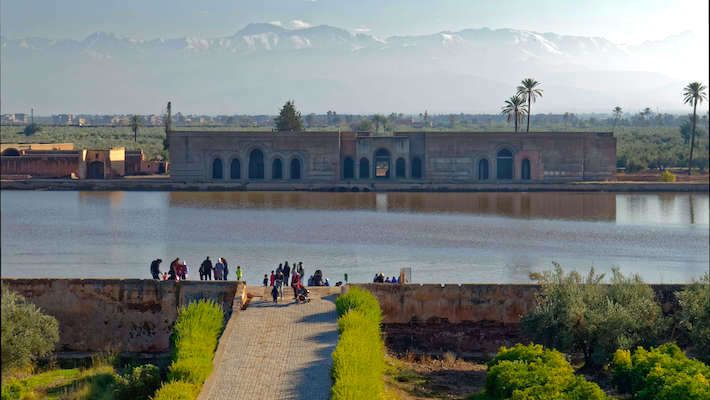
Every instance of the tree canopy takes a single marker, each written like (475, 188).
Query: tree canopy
(289, 119)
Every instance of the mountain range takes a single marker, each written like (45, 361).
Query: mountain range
(329, 68)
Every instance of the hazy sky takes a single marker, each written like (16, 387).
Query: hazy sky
(627, 21)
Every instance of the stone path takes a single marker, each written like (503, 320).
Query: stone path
(277, 352)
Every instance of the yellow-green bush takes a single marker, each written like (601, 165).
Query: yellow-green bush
(661, 373)
(667, 176)
(359, 357)
(195, 337)
(531, 372)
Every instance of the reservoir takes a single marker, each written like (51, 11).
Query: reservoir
(442, 237)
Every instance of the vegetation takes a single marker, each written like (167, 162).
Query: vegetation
(662, 373)
(195, 337)
(531, 372)
(94, 383)
(694, 316)
(289, 119)
(359, 357)
(27, 333)
(139, 384)
(693, 93)
(515, 109)
(582, 314)
(135, 124)
(617, 111)
(31, 129)
(529, 88)
(667, 176)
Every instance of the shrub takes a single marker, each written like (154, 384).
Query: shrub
(361, 300)
(694, 316)
(359, 357)
(31, 129)
(195, 337)
(531, 372)
(575, 314)
(27, 333)
(139, 384)
(667, 176)
(661, 373)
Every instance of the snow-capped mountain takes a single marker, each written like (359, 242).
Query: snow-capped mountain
(325, 67)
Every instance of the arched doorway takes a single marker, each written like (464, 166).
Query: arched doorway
(483, 169)
(161, 167)
(504, 164)
(525, 170)
(235, 169)
(416, 168)
(295, 168)
(382, 164)
(10, 152)
(348, 168)
(217, 172)
(364, 168)
(256, 164)
(400, 169)
(277, 171)
(95, 170)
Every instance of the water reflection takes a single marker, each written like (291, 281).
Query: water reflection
(559, 205)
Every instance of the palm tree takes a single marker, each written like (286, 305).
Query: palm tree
(530, 88)
(617, 115)
(135, 124)
(515, 109)
(693, 94)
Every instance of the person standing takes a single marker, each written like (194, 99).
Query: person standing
(266, 281)
(239, 274)
(278, 283)
(300, 269)
(275, 294)
(218, 270)
(155, 268)
(272, 278)
(174, 272)
(287, 272)
(226, 268)
(295, 282)
(206, 270)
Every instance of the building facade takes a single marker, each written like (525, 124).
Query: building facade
(433, 157)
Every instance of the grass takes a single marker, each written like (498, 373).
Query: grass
(195, 338)
(65, 384)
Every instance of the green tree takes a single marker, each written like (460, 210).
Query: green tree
(693, 93)
(135, 124)
(585, 315)
(27, 333)
(515, 109)
(529, 88)
(617, 115)
(378, 120)
(31, 129)
(694, 316)
(289, 120)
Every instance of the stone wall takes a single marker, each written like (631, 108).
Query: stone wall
(123, 315)
(473, 320)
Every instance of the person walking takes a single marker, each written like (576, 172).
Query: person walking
(239, 274)
(272, 278)
(287, 272)
(206, 270)
(295, 282)
(266, 281)
(278, 283)
(275, 294)
(155, 268)
(226, 268)
(218, 270)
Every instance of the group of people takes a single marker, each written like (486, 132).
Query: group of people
(180, 271)
(380, 278)
(280, 278)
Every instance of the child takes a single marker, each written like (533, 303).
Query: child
(266, 281)
(275, 294)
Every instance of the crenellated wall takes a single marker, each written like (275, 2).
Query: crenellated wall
(123, 315)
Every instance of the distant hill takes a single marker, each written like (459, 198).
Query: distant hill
(328, 68)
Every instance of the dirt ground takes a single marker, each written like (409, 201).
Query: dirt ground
(421, 377)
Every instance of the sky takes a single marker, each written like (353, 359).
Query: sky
(627, 21)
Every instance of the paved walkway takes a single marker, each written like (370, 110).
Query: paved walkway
(277, 352)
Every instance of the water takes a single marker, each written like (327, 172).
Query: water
(442, 237)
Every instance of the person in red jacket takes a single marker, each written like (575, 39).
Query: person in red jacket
(295, 284)
(272, 278)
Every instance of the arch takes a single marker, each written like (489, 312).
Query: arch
(235, 169)
(364, 168)
(483, 169)
(277, 170)
(217, 171)
(10, 152)
(256, 164)
(400, 169)
(95, 170)
(382, 164)
(295, 168)
(504, 164)
(161, 167)
(525, 170)
(348, 168)
(417, 168)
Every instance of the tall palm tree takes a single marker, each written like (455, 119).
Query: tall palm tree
(617, 115)
(530, 88)
(693, 93)
(515, 109)
(135, 124)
